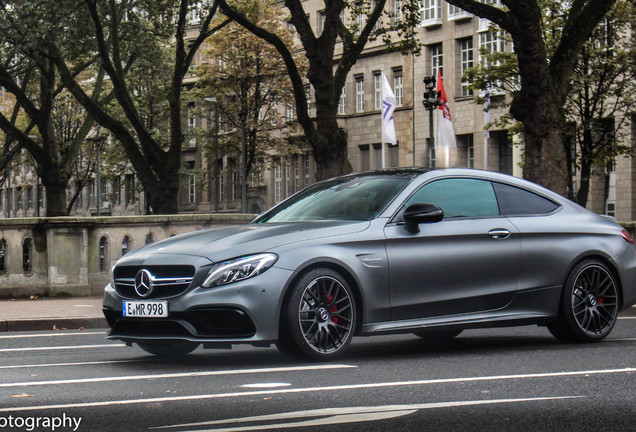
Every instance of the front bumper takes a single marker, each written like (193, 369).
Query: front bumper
(245, 312)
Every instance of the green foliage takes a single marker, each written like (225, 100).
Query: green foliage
(249, 80)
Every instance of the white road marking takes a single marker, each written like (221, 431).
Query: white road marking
(627, 318)
(266, 385)
(314, 389)
(622, 340)
(50, 335)
(71, 364)
(71, 347)
(175, 375)
(344, 415)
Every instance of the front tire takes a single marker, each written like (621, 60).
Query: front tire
(318, 321)
(589, 304)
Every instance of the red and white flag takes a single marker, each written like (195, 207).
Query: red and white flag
(444, 133)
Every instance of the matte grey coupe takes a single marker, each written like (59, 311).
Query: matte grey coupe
(429, 252)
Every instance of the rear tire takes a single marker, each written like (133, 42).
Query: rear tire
(167, 350)
(589, 304)
(318, 320)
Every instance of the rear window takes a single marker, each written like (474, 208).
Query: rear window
(514, 201)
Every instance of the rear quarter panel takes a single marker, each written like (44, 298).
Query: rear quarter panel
(551, 245)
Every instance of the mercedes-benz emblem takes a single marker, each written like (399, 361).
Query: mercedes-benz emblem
(143, 283)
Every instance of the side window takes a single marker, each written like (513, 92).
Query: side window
(459, 197)
(514, 201)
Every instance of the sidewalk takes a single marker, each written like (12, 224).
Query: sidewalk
(51, 314)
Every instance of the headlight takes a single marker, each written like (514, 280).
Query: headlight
(238, 269)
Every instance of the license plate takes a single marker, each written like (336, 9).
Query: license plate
(145, 309)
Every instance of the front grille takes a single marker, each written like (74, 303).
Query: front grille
(167, 281)
(203, 322)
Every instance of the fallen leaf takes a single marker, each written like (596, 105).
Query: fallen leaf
(81, 328)
(23, 395)
(54, 327)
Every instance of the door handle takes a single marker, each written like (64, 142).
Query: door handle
(499, 233)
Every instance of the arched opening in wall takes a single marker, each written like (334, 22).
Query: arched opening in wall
(103, 254)
(27, 255)
(149, 239)
(126, 245)
(3, 252)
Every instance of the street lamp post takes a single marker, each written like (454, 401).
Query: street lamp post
(431, 102)
(216, 152)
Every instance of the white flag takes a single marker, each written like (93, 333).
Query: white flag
(444, 133)
(388, 106)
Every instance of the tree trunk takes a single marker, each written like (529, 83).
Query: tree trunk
(56, 183)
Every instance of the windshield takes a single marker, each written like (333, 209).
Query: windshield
(357, 198)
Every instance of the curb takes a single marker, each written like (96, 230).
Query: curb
(51, 324)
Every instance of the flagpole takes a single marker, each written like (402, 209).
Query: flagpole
(382, 119)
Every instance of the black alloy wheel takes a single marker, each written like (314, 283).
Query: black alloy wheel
(589, 304)
(319, 321)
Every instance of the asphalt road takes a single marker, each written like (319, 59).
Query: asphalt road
(484, 380)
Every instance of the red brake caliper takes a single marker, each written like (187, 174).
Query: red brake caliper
(334, 308)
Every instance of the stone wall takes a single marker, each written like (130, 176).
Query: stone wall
(73, 256)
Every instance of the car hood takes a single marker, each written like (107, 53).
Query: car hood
(220, 244)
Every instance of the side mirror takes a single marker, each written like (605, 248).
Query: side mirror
(416, 214)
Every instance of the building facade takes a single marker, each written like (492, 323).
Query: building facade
(451, 39)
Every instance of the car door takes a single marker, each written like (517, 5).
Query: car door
(468, 262)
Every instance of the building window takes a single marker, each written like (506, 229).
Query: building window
(365, 158)
(18, 198)
(491, 42)
(342, 103)
(457, 13)
(126, 245)
(91, 193)
(236, 185)
(465, 151)
(129, 188)
(377, 156)
(221, 182)
(192, 184)
(149, 239)
(103, 254)
(377, 83)
(359, 18)
(397, 6)
(466, 50)
(27, 255)
(3, 253)
(359, 94)
(29, 198)
(297, 186)
(398, 86)
(307, 169)
(278, 182)
(393, 157)
(117, 190)
(437, 59)
(291, 115)
(430, 12)
(505, 152)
